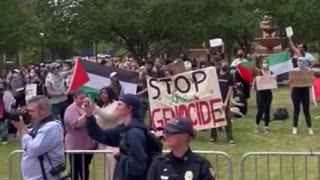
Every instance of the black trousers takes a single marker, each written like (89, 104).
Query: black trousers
(264, 100)
(228, 127)
(79, 166)
(301, 96)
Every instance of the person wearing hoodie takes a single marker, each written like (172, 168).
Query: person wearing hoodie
(129, 137)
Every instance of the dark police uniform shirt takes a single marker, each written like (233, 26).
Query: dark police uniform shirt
(190, 166)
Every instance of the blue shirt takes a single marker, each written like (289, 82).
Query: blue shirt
(49, 139)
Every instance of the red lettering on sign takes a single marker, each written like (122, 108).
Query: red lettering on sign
(201, 113)
(212, 102)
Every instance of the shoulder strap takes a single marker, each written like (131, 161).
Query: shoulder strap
(33, 134)
(43, 172)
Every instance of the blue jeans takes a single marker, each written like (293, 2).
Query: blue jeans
(59, 109)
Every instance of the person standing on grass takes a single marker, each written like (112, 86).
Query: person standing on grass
(7, 101)
(181, 163)
(77, 138)
(226, 89)
(107, 117)
(300, 95)
(263, 97)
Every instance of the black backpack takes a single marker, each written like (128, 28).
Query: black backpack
(154, 146)
(281, 114)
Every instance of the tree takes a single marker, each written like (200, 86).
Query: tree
(57, 20)
(143, 27)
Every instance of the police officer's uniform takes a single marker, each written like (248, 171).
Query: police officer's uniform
(190, 166)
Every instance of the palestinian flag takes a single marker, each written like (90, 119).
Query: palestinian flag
(280, 63)
(245, 71)
(92, 77)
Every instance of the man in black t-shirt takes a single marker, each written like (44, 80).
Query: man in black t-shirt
(226, 89)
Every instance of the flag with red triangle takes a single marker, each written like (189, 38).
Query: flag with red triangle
(245, 71)
(91, 77)
(79, 77)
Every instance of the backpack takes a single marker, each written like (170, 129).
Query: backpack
(153, 144)
(154, 147)
(281, 114)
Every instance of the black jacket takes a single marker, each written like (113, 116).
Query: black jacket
(190, 166)
(131, 163)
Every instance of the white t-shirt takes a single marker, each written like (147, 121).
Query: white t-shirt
(57, 84)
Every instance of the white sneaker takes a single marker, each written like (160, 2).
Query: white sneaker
(256, 129)
(266, 130)
(294, 130)
(310, 131)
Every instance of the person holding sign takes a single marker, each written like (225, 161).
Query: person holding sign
(264, 94)
(300, 95)
(226, 89)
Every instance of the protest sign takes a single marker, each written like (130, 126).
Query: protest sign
(301, 78)
(193, 94)
(266, 82)
(176, 67)
(31, 90)
(218, 44)
(289, 31)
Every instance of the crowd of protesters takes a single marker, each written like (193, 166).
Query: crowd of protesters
(116, 121)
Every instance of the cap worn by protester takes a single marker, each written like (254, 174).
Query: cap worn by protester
(132, 101)
(179, 125)
(54, 65)
(113, 74)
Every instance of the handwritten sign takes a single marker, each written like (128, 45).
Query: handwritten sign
(193, 94)
(266, 82)
(301, 78)
(31, 90)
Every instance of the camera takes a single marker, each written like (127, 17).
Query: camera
(15, 115)
(60, 171)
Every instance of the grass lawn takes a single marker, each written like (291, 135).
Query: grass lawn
(280, 139)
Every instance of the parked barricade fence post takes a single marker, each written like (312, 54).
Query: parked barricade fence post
(100, 169)
(280, 165)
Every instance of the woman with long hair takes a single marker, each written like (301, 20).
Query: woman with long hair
(107, 117)
(263, 97)
(300, 95)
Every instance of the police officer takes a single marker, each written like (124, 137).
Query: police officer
(181, 163)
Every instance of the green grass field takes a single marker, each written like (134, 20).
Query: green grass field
(280, 139)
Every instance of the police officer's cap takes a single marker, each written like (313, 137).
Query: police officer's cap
(179, 125)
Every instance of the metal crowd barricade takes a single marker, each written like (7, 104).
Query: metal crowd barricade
(280, 165)
(99, 169)
(221, 162)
